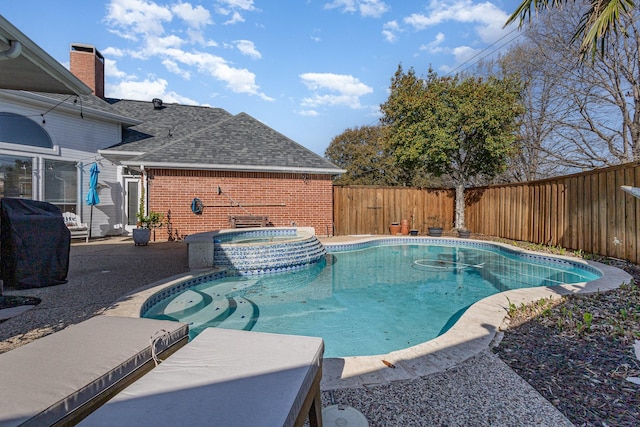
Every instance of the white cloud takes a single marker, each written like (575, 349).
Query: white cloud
(373, 8)
(435, 45)
(234, 9)
(142, 21)
(238, 4)
(369, 8)
(308, 113)
(173, 67)
(463, 53)
(390, 30)
(146, 90)
(246, 47)
(488, 17)
(157, 45)
(111, 70)
(343, 90)
(113, 51)
(195, 17)
(138, 17)
(239, 80)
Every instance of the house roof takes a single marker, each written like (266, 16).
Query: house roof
(192, 137)
(25, 66)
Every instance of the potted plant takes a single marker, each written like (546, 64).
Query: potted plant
(435, 227)
(146, 223)
(141, 234)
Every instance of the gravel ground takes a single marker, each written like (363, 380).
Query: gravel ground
(99, 273)
(579, 352)
(481, 391)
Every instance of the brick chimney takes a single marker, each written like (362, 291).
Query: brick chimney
(87, 64)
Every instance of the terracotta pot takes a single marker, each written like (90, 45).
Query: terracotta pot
(404, 227)
(394, 228)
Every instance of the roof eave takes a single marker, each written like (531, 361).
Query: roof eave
(43, 62)
(235, 168)
(121, 157)
(37, 98)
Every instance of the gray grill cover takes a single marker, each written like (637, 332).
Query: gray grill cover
(34, 244)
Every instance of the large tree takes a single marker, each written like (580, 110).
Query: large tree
(601, 19)
(463, 127)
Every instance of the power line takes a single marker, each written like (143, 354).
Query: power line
(486, 49)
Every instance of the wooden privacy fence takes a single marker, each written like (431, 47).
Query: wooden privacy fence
(370, 210)
(586, 211)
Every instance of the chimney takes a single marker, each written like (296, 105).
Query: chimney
(87, 64)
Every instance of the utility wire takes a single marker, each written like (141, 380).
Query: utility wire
(486, 49)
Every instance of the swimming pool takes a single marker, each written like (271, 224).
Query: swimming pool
(364, 299)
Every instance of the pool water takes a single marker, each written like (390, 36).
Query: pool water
(369, 301)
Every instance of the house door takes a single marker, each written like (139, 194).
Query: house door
(131, 202)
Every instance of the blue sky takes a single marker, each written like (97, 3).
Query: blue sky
(309, 68)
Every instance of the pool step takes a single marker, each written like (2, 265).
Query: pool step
(243, 318)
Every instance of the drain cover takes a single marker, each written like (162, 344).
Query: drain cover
(343, 416)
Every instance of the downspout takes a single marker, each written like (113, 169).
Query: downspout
(15, 49)
(143, 183)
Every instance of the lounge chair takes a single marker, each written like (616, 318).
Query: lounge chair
(58, 379)
(225, 378)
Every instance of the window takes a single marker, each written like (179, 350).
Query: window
(16, 179)
(16, 129)
(61, 184)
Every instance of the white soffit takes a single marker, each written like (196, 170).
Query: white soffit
(32, 69)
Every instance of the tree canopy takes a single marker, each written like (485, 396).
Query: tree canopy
(463, 127)
(362, 153)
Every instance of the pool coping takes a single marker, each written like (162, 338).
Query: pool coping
(478, 328)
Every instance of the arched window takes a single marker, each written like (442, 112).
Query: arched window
(17, 129)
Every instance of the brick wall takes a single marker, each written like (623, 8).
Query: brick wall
(306, 200)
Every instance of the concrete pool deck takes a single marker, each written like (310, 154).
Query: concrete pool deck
(473, 386)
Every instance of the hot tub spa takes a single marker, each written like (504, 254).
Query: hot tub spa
(255, 251)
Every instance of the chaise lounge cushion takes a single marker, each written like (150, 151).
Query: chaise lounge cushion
(223, 378)
(48, 380)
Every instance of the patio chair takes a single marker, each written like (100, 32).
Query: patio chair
(78, 229)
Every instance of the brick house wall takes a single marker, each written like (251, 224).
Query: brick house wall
(305, 199)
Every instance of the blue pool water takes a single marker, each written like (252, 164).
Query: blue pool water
(368, 301)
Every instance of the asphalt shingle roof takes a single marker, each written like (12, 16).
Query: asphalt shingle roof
(181, 136)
